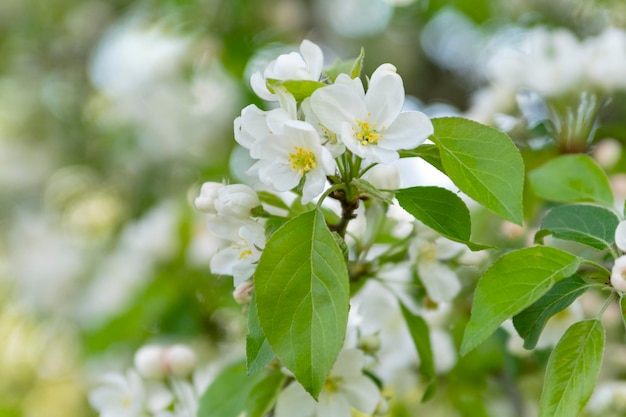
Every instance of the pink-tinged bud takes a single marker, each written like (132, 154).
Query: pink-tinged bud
(236, 200)
(620, 236)
(242, 293)
(618, 274)
(209, 193)
(607, 152)
(148, 361)
(180, 360)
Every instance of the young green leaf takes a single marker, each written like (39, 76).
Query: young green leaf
(484, 163)
(572, 370)
(622, 306)
(429, 153)
(300, 89)
(352, 67)
(530, 322)
(357, 66)
(571, 178)
(302, 298)
(258, 351)
(514, 282)
(263, 395)
(421, 339)
(227, 395)
(441, 210)
(368, 189)
(584, 223)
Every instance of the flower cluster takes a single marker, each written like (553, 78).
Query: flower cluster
(618, 274)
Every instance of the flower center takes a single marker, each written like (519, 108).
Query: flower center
(368, 134)
(332, 383)
(302, 160)
(427, 251)
(245, 253)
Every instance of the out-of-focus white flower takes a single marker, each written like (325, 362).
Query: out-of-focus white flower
(384, 177)
(441, 282)
(345, 388)
(618, 274)
(236, 200)
(620, 236)
(357, 18)
(606, 59)
(180, 359)
(608, 396)
(128, 396)
(209, 192)
(242, 293)
(148, 362)
(306, 65)
(607, 152)
(239, 259)
(157, 362)
(291, 154)
(371, 124)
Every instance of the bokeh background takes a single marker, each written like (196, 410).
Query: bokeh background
(112, 113)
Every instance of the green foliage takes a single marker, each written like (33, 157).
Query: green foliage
(530, 322)
(484, 163)
(229, 392)
(263, 395)
(258, 351)
(572, 370)
(429, 153)
(421, 339)
(571, 178)
(514, 282)
(353, 67)
(302, 292)
(300, 89)
(441, 210)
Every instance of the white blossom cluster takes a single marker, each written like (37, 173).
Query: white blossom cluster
(618, 274)
(551, 63)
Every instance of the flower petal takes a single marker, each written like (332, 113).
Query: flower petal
(349, 364)
(257, 82)
(333, 405)
(385, 95)
(620, 236)
(314, 58)
(295, 401)
(441, 283)
(362, 393)
(337, 104)
(408, 131)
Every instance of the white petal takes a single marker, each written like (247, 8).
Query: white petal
(295, 401)
(158, 397)
(385, 95)
(349, 364)
(337, 104)
(447, 248)
(618, 274)
(314, 58)
(223, 262)
(362, 393)
(333, 405)
(313, 185)
(409, 130)
(441, 282)
(279, 176)
(371, 153)
(620, 236)
(353, 84)
(257, 82)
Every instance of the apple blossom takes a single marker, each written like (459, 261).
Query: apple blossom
(620, 236)
(618, 274)
(371, 124)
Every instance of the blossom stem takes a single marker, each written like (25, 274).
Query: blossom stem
(597, 266)
(606, 304)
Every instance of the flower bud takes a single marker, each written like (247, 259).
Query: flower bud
(369, 344)
(620, 236)
(179, 360)
(618, 274)
(209, 192)
(148, 361)
(236, 200)
(242, 292)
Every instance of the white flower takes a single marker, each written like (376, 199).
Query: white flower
(371, 124)
(306, 65)
(346, 387)
(618, 274)
(620, 236)
(606, 59)
(236, 200)
(128, 396)
(156, 362)
(240, 258)
(209, 192)
(288, 156)
(441, 282)
(254, 123)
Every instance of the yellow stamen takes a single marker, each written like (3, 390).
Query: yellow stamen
(245, 253)
(368, 134)
(302, 160)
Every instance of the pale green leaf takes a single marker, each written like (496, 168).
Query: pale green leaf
(302, 291)
(368, 189)
(572, 178)
(572, 370)
(530, 322)
(258, 351)
(429, 153)
(441, 210)
(622, 305)
(351, 67)
(228, 393)
(300, 89)
(421, 339)
(590, 225)
(514, 282)
(484, 163)
(263, 395)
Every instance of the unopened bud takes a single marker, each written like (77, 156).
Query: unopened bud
(148, 361)
(179, 360)
(209, 193)
(236, 200)
(369, 344)
(620, 236)
(242, 293)
(618, 274)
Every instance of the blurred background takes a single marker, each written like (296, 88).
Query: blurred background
(112, 113)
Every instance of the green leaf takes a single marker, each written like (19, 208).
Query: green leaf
(530, 322)
(302, 291)
(227, 395)
(514, 282)
(300, 89)
(357, 66)
(351, 67)
(622, 305)
(368, 189)
(441, 210)
(429, 153)
(590, 225)
(421, 339)
(263, 394)
(572, 370)
(258, 351)
(484, 163)
(571, 178)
